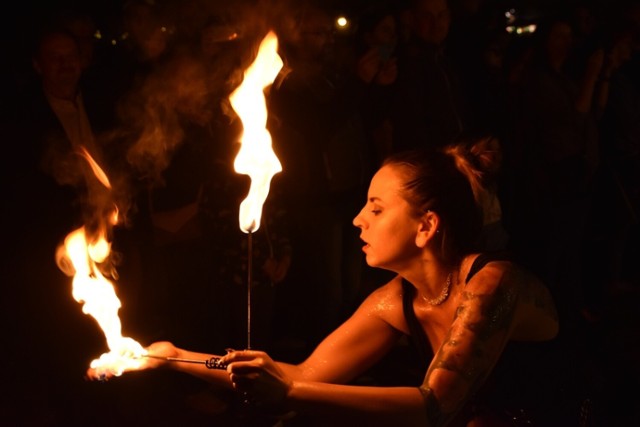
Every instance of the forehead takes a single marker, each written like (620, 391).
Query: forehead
(387, 183)
(58, 43)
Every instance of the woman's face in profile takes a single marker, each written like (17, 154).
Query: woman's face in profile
(387, 224)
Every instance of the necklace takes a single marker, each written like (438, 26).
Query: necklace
(443, 295)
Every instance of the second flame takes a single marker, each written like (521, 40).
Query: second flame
(256, 157)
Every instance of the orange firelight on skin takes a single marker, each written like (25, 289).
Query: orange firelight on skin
(80, 256)
(256, 157)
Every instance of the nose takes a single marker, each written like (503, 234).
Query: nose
(358, 221)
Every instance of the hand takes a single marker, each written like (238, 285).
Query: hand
(369, 65)
(258, 377)
(594, 64)
(162, 349)
(616, 57)
(388, 72)
(276, 270)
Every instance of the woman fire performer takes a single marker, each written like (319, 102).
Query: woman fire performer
(471, 315)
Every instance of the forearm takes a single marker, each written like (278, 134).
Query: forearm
(602, 96)
(340, 404)
(215, 376)
(218, 377)
(584, 101)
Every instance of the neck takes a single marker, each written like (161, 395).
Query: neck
(431, 282)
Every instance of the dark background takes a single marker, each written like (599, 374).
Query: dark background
(160, 398)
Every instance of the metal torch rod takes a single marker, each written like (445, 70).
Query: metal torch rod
(249, 278)
(211, 363)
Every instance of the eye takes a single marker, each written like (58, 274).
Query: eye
(376, 211)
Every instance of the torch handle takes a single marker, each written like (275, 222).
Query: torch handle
(211, 363)
(214, 363)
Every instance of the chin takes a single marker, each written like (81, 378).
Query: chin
(372, 262)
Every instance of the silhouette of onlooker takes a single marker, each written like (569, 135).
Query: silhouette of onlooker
(477, 44)
(375, 55)
(553, 187)
(615, 210)
(319, 137)
(57, 193)
(144, 42)
(430, 106)
(558, 136)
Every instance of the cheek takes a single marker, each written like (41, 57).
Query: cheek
(391, 242)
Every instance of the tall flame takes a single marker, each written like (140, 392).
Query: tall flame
(256, 157)
(80, 256)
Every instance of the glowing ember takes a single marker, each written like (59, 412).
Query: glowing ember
(256, 157)
(80, 257)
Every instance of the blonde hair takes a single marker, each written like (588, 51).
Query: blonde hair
(479, 160)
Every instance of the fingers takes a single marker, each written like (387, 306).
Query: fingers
(242, 355)
(244, 368)
(243, 377)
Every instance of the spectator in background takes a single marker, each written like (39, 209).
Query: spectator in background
(430, 106)
(375, 52)
(97, 56)
(145, 43)
(477, 43)
(616, 207)
(319, 136)
(83, 26)
(51, 191)
(557, 137)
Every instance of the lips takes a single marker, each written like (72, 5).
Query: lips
(366, 244)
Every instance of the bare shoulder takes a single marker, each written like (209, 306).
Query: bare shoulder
(386, 303)
(389, 291)
(516, 288)
(500, 274)
(494, 275)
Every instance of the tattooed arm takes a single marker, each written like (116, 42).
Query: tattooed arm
(500, 303)
(488, 311)
(478, 334)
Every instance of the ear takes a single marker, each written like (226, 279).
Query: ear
(427, 228)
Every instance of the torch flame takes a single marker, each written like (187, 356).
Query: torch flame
(99, 299)
(79, 256)
(97, 170)
(256, 157)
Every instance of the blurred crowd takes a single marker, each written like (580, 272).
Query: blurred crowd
(553, 86)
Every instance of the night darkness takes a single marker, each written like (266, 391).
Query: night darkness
(43, 389)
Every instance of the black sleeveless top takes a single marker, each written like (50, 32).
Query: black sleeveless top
(513, 388)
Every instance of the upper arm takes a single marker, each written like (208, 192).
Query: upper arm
(481, 328)
(354, 346)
